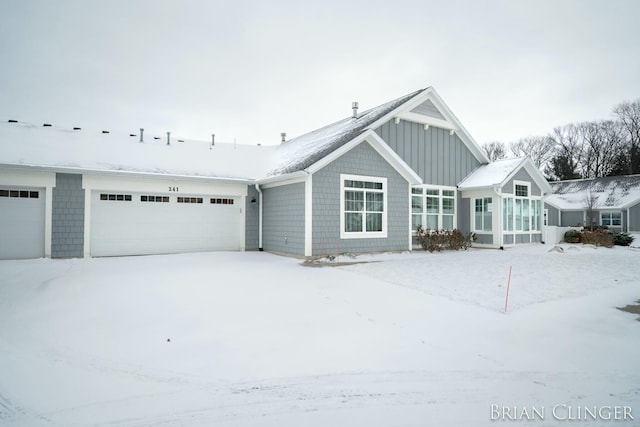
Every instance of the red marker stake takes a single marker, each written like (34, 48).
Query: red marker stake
(506, 300)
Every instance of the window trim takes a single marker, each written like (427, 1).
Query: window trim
(609, 213)
(475, 226)
(363, 234)
(441, 188)
(522, 184)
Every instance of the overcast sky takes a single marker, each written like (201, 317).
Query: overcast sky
(248, 70)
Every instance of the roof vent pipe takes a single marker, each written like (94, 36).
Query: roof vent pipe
(168, 138)
(354, 106)
(213, 140)
(141, 135)
(283, 137)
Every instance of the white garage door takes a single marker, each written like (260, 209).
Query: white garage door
(22, 219)
(139, 224)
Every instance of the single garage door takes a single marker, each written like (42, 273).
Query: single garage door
(140, 224)
(22, 219)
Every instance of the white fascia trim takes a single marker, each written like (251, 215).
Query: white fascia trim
(393, 158)
(84, 171)
(337, 153)
(426, 120)
(533, 172)
(308, 216)
(289, 178)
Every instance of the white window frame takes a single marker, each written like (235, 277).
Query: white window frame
(475, 225)
(609, 213)
(363, 234)
(522, 184)
(532, 217)
(440, 196)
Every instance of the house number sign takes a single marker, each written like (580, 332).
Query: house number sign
(173, 189)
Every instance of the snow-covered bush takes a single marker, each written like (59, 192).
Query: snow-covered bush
(622, 239)
(572, 236)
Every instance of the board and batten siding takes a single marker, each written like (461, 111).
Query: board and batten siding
(67, 227)
(437, 156)
(361, 160)
(283, 219)
(552, 215)
(522, 175)
(634, 219)
(571, 218)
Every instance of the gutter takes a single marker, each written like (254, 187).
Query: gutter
(259, 217)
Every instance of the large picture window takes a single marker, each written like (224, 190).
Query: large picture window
(433, 208)
(363, 207)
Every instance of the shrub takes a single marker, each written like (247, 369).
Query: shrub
(572, 236)
(597, 237)
(622, 239)
(438, 240)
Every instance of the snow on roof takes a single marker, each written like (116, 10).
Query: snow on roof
(55, 147)
(491, 174)
(612, 192)
(305, 150)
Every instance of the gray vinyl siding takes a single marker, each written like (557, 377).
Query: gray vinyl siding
(428, 109)
(251, 226)
(283, 219)
(552, 217)
(634, 219)
(571, 218)
(485, 239)
(361, 160)
(67, 221)
(508, 239)
(536, 238)
(464, 215)
(438, 157)
(522, 175)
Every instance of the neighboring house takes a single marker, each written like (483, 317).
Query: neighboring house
(359, 185)
(610, 201)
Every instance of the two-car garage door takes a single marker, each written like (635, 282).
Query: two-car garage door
(145, 223)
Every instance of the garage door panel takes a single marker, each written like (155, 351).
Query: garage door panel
(135, 227)
(22, 232)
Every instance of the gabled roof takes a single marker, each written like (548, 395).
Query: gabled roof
(611, 192)
(497, 174)
(56, 148)
(422, 106)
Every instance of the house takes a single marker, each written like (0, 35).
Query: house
(612, 201)
(361, 184)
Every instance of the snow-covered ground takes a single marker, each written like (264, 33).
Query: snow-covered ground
(253, 339)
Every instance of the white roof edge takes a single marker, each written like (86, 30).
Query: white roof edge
(154, 175)
(284, 177)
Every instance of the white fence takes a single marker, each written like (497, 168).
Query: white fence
(554, 235)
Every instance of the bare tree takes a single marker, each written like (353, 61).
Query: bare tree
(495, 150)
(567, 153)
(602, 142)
(590, 205)
(538, 148)
(629, 115)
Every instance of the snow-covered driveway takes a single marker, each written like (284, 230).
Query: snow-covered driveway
(253, 339)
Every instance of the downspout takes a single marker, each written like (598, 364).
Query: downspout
(498, 192)
(259, 217)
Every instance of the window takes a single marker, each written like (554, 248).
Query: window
(363, 207)
(483, 212)
(507, 214)
(157, 199)
(22, 194)
(522, 190)
(433, 208)
(116, 197)
(611, 219)
(189, 199)
(221, 201)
